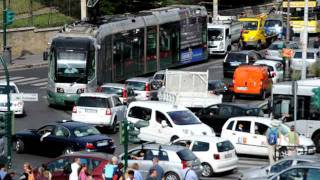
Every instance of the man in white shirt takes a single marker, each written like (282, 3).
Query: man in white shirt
(74, 169)
(189, 173)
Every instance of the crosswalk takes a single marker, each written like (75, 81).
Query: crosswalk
(37, 82)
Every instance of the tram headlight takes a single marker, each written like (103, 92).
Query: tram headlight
(60, 90)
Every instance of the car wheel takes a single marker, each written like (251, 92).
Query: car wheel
(316, 140)
(171, 176)
(19, 146)
(114, 126)
(173, 138)
(68, 150)
(207, 170)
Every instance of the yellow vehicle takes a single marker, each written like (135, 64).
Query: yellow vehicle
(297, 15)
(253, 33)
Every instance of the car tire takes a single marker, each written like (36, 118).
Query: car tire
(19, 146)
(68, 150)
(207, 170)
(114, 126)
(171, 176)
(173, 138)
(316, 140)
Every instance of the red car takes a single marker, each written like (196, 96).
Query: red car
(61, 166)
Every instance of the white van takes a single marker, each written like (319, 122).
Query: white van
(167, 122)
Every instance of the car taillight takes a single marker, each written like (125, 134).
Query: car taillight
(89, 146)
(99, 89)
(108, 111)
(216, 156)
(74, 109)
(124, 93)
(147, 87)
(184, 164)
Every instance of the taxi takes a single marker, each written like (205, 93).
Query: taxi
(248, 135)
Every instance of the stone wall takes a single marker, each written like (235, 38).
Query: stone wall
(28, 40)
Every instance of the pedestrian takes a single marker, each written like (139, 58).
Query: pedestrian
(10, 175)
(46, 172)
(189, 173)
(137, 173)
(110, 168)
(130, 175)
(293, 139)
(40, 175)
(28, 172)
(83, 172)
(3, 171)
(157, 167)
(273, 139)
(118, 174)
(188, 144)
(74, 169)
(152, 174)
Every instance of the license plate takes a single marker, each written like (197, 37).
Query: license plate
(102, 144)
(228, 155)
(234, 63)
(242, 88)
(90, 110)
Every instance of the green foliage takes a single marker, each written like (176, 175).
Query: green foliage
(315, 69)
(295, 75)
(316, 98)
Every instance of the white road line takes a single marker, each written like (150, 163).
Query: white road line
(34, 81)
(25, 79)
(40, 84)
(13, 78)
(44, 87)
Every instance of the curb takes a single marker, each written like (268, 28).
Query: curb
(25, 66)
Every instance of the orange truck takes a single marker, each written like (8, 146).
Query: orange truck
(252, 80)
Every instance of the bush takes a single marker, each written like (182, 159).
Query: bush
(315, 69)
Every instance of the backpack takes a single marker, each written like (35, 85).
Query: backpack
(273, 136)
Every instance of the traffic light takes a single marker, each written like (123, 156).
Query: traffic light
(3, 125)
(123, 131)
(9, 16)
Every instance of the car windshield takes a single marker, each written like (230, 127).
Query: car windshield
(250, 25)
(139, 86)
(112, 90)
(254, 112)
(298, 55)
(186, 155)
(215, 34)
(183, 117)
(3, 89)
(273, 23)
(93, 102)
(85, 131)
(276, 46)
(236, 57)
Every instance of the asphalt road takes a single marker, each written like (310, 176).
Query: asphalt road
(38, 113)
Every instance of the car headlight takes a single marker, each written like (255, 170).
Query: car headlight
(251, 38)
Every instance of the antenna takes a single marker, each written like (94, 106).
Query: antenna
(92, 3)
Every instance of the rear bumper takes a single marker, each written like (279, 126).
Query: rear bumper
(62, 99)
(247, 92)
(16, 110)
(224, 165)
(95, 120)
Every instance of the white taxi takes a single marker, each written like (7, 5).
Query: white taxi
(216, 154)
(17, 104)
(248, 135)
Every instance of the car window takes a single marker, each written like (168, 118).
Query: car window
(85, 131)
(159, 77)
(139, 86)
(254, 112)
(140, 113)
(243, 126)
(137, 154)
(236, 57)
(59, 165)
(184, 117)
(301, 162)
(279, 67)
(276, 46)
(225, 111)
(161, 117)
(295, 173)
(260, 129)
(281, 166)
(112, 90)
(310, 55)
(93, 102)
(230, 125)
(163, 156)
(181, 143)
(89, 162)
(186, 155)
(3, 89)
(60, 131)
(116, 101)
(130, 92)
(313, 174)
(45, 129)
(200, 146)
(224, 146)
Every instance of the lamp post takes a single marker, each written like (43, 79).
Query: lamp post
(305, 41)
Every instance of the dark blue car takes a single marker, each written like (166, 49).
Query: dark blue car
(63, 137)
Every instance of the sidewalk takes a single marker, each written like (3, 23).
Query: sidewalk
(27, 61)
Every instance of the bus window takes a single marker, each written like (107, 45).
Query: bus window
(151, 49)
(282, 105)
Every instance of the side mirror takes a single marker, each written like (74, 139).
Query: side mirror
(45, 55)
(164, 124)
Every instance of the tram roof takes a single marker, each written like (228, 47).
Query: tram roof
(304, 87)
(151, 18)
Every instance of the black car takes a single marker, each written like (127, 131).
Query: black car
(219, 87)
(235, 59)
(63, 137)
(216, 115)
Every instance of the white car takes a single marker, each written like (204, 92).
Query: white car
(274, 51)
(275, 67)
(17, 104)
(125, 94)
(252, 138)
(216, 154)
(167, 122)
(99, 109)
(312, 56)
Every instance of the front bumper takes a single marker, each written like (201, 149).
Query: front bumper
(16, 110)
(62, 99)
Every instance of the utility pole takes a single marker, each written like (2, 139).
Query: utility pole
(4, 24)
(215, 9)
(83, 5)
(286, 59)
(305, 41)
(288, 23)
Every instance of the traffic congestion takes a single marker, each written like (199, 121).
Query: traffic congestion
(126, 78)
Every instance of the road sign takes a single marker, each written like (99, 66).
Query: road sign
(92, 3)
(9, 16)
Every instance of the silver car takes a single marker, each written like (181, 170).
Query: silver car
(125, 94)
(172, 159)
(274, 52)
(267, 171)
(143, 87)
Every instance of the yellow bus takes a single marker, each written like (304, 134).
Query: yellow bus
(297, 15)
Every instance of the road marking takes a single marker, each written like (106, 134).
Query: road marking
(44, 87)
(25, 79)
(13, 78)
(34, 81)
(40, 84)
